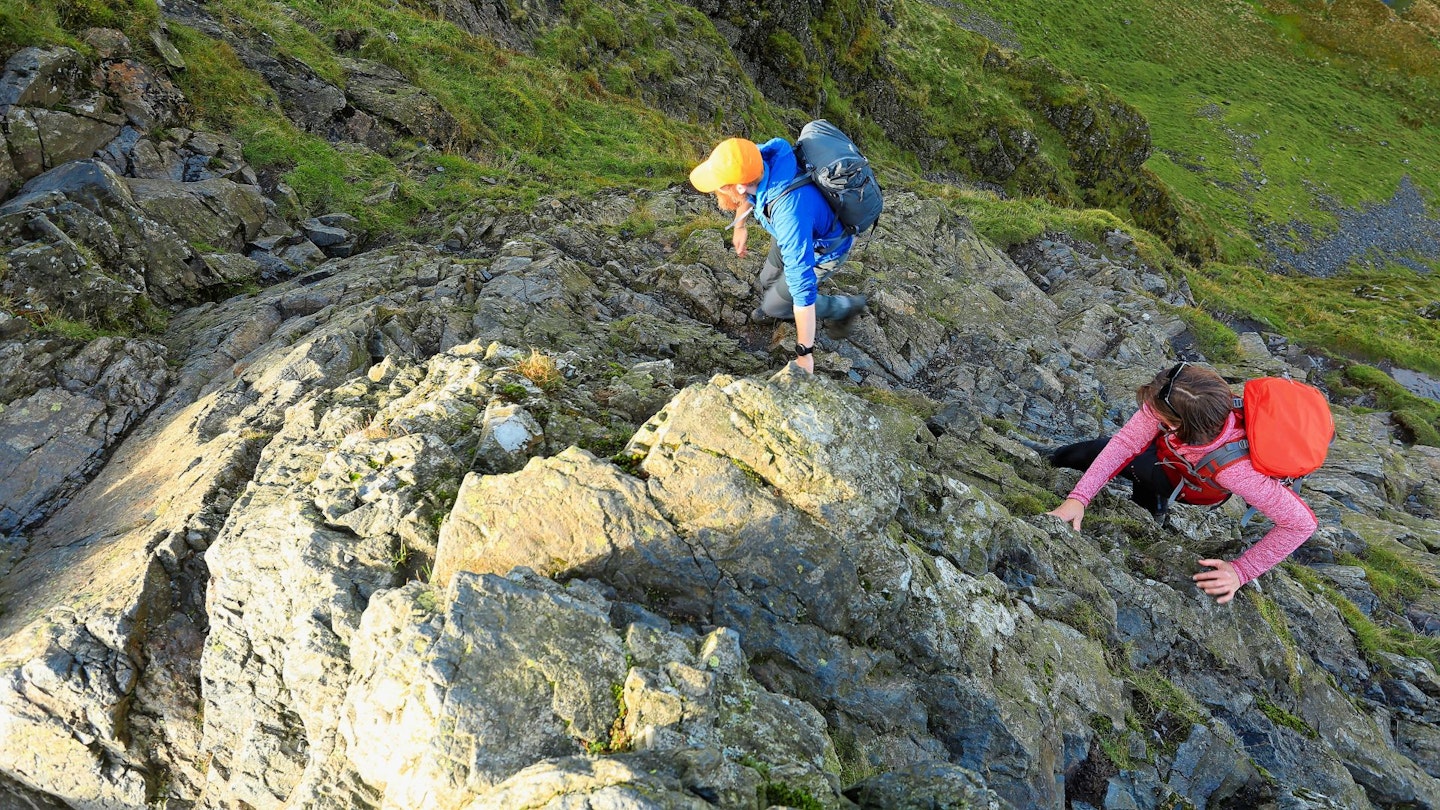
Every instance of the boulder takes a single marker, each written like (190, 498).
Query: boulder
(924, 786)
(385, 93)
(57, 436)
(214, 212)
(41, 77)
(67, 136)
(568, 514)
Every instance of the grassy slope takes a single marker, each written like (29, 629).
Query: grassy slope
(1234, 92)
(1337, 101)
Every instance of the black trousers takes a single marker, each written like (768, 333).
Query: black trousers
(1152, 487)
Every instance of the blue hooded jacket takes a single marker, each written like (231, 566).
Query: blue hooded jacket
(802, 223)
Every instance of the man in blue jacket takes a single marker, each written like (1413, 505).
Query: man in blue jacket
(809, 241)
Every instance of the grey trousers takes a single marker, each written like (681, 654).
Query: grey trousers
(775, 298)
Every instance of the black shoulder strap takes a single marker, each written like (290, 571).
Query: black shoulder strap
(800, 180)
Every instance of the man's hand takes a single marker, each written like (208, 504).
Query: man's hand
(742, 234)
(1221, 583)
(1071, 511)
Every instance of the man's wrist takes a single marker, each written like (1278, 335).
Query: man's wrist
(801, 350)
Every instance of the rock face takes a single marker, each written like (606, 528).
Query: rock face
(369, 552)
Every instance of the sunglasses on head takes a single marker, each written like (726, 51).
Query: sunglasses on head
(1170, 383)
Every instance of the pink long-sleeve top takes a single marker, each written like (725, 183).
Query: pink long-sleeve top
(1293, 519)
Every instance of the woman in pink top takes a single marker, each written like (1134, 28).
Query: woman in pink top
(1195, 406)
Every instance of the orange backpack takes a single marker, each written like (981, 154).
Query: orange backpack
(1288, 431)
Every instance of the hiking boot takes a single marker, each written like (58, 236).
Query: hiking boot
(839, 328)
(757, 315)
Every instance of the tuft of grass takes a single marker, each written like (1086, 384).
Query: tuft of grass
(1274, 616)
(1164, 707)
(1370, 637)
(541, 370)
(1112, 742)
(1417, 415)
(1281, 717)
(1395, 580)
(1215, 340)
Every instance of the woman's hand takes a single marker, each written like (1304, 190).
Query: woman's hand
(1221, 583)
(1071, 511)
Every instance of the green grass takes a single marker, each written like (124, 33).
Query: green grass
(1369, 315)
(1370, 637)
(1299, 97)
(528, 126)
(1395, 580)
(1274, 617)
(25, 23)
(1417, 415)
(1218, 342)
(1281, 717)
(1164, 707)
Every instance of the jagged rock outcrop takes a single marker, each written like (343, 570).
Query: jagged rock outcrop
(289, 574)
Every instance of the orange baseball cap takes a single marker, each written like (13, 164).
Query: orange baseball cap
(734, 161)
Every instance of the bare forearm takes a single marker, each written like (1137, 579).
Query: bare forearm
(805, 334)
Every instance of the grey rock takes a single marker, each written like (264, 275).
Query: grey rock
(107, 42)
(302, 254)
(509, 436)
(10, 179)
(323, 236)
(385, 93)
(67, 136)
(39, 77)
(215, 212)
(925, 786)
(27, 152)
(167, 50)
(339, 220)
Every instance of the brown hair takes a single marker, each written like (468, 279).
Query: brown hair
(1199, 401)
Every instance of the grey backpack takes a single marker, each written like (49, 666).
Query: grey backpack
(831, 161)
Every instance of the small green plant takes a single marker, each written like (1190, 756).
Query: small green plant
(1112, 742)
(629, 462)
(791, 796)
(515, 392)
(399, 555)
(1281, 717)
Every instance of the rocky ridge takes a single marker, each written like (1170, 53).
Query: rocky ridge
(535, 523)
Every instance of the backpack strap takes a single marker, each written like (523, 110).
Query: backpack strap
(1221, 457)
(800, 180)
(1251, 511)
